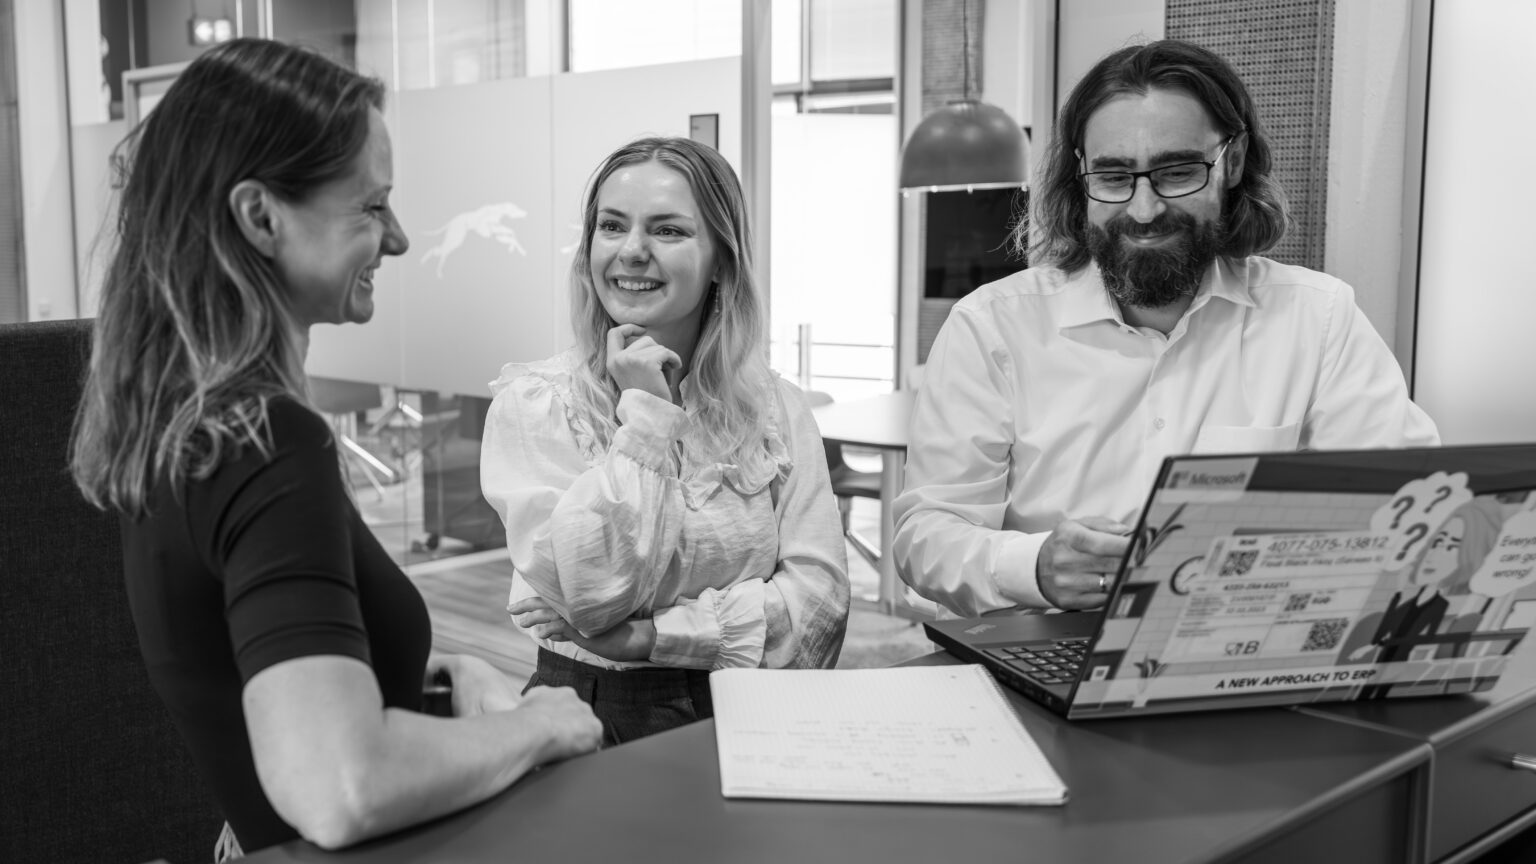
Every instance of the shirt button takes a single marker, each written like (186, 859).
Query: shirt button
(1158, 424)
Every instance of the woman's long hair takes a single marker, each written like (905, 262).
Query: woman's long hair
(194, 333)
(730, 366)
(1254, 210)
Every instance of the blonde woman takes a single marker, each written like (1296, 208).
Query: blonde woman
(666, 498)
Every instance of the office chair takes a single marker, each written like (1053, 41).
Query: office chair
(344, 402)
(94, 768)
(848, 484)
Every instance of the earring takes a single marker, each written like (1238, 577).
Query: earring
(717, 299)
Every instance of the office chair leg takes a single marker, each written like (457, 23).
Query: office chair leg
(364, 468)
(866, 550)
(344, 427)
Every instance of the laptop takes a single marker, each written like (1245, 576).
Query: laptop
(1282, 578)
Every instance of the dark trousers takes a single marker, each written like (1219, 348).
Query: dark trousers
(631, 703)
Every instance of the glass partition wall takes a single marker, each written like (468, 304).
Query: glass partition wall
(499, 110)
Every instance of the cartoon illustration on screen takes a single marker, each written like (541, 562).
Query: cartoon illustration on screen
(1349, 593)
(1435, 601)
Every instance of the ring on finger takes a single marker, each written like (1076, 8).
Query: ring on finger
(1101, 583)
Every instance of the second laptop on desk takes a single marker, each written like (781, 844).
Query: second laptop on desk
(1272, 579)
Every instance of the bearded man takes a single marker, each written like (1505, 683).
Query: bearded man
(1148, 326)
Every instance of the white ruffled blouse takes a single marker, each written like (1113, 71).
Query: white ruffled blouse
(734, 570)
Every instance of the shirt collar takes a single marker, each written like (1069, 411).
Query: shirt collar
(1084, 300)
(1228, 280)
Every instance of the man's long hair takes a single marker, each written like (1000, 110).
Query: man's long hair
(730, 363)
(1255, 209)
(195, 333)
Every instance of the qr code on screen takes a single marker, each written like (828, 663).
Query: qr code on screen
(1298, 602)
(1239, 563)
(1325, 635)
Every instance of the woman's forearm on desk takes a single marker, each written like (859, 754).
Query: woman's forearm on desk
(340, 768)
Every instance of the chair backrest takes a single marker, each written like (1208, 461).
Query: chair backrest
(336, 396)
(94, 769)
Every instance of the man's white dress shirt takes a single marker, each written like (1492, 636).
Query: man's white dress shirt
(1040, 404)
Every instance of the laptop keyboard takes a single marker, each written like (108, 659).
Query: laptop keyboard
(1047, 662)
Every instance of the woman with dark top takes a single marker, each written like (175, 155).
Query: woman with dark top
(290, 650)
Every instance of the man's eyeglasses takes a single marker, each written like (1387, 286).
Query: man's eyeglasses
(1169, 181)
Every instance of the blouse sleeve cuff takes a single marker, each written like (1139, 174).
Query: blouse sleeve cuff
(717, 631)
(647, 427)
(743, 630)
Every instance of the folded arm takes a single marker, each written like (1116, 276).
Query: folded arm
(593, 541)
(796, 618)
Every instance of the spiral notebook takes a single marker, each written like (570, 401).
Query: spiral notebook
(922, 734)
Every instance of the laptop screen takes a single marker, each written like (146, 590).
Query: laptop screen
(1338, 575)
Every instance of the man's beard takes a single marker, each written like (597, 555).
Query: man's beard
(1154, 277)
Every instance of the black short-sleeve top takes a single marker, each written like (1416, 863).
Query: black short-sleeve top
(266, 560)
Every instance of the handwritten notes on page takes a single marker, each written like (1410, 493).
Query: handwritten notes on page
(936, 734)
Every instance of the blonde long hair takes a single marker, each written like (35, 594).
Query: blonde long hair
(195, 334)
(730, 364)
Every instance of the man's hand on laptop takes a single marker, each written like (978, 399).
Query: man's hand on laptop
(1077, 565)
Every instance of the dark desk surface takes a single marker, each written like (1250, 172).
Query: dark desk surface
(1203, 787)
(1476, 796)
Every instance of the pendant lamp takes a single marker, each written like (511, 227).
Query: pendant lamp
(967, 144)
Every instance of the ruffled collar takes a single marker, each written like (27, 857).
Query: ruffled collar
(700, 479)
